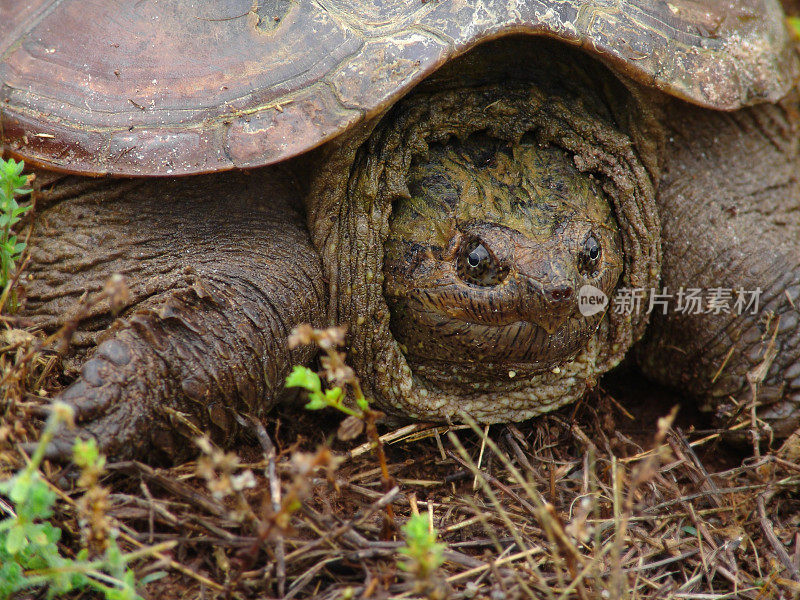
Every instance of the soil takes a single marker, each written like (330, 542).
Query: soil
(574, 503)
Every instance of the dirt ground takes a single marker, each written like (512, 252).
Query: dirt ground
(597, 500)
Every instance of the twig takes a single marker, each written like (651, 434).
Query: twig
(270, 454)
(769, 533)
(379, 504)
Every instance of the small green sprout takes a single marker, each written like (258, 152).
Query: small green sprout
(12, 184)
(425, 554)
(29, 554)
(305, 378)
(341, 377)
(87, 455)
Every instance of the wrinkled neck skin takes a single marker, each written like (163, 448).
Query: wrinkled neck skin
(457, 230)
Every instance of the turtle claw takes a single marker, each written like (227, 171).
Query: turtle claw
(60, 446)
(84, 401)
(59, 449)
(115, 438)
(113, 402)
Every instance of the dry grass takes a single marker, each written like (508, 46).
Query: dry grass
(590, 502)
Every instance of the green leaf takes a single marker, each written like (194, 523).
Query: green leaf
(40, 500)
(21, 210)
(114, 557)
(316, 402)
(305, 378)
(12, 183)
(20, 487)
(416, 528)
(421, 547)
(38, 536)
(150, 578)
(52, 533)
(362, 402)
(114, 594)
(12, 169)
(333, 395)
(16, 539)
(10, 578)
(85, 453)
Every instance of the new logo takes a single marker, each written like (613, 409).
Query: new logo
(591, 300)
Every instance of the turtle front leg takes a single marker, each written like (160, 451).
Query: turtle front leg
(219, 268)
(729, 202)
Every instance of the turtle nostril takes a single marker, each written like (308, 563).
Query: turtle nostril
(559, 293)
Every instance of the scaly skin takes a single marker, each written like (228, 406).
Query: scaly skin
(222, 267)
(729, 201)
(606, 132)
(219, 268)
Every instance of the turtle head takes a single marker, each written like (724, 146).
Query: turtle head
(462, 233)
(487, 256)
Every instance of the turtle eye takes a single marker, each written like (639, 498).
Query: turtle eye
(477, 266)
(590, 255)
(478, 255)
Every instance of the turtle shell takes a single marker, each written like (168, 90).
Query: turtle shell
(173, 87)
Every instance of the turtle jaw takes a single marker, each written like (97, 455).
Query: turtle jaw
(428, 336)
(514, 325)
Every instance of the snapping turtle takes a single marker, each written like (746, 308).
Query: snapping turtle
(470, 187)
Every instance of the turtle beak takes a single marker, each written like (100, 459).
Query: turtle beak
(551, 314)
(550, 299)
